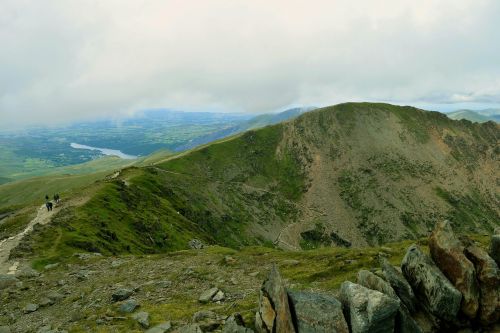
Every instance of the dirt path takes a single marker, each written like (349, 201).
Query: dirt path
(6, 245)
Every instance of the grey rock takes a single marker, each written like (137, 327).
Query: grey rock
(495, 247)
(368, 310)
(27, 273)
(83, 274)
(253, 274)
(404, 322)
(316, 313)
(121, 294)
(290, 262)
(142, 318)
(274, 311)
(30, 308)
(5, 329)
(164, 284)
(437, 294)
(54, 296)
(369, 280)
(196, 244)
(191, 328)
(207, 320)
(45, 301)
(219, 296)
(160, 328)
(129, 306)
(51, 266)
(400, 285)
(207, 295)
(235, 324)
(7, 280)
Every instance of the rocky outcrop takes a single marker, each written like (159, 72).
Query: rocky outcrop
(488, 276)
(316, 313)
(399, 284)
(448, 254)
(235, 324)
(274, 311)
(368, 310)
(495, 246)
(437, 294)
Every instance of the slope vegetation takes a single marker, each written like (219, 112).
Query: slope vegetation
(354, 174)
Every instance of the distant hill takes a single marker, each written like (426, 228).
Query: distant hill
(479, 116)
(353, 174)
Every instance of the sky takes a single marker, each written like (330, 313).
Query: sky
(69, 60)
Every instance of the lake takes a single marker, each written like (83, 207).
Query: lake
(105, 151)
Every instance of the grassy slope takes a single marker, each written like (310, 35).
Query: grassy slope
(244, 190)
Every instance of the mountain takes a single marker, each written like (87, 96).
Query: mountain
(252, 123)
(479, 116)
(353, 174)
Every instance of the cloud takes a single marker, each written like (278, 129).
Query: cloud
(67, 60)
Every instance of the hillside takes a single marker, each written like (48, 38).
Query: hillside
(479, 116)
(353, 174)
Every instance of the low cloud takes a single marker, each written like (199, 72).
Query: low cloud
(70, 60)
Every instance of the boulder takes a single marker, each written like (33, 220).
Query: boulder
(448, 253)
(196, 244)
(142, 318)
(191, 328)
(7, 280)
(436, 293)
(404, 322)
(235, 324)
(219, 296)
(121, 294)
(368, 310)
(30, 308)
(27, 273)
(207, 295)
(399, 285)
(129, 306)
(317, 313)
(274, 311)
(160, 328)
(207, 320)
(488, 275)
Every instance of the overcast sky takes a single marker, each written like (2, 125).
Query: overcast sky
(70, 60)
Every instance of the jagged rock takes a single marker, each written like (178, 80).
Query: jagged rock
(196, 244)
(219, 296)
(274, 311)
(437, 294)
(207, 320)
(235, 324)
(121, 294)
(191, 328)
(404, 322)
(207, 295)
(317, 313)
(488, 275)
(495, 246)
(448, 254)
(129, 306)
(142, 318)
(30, 308)
(368, 310)
(399, 285)
(160, 328)
(7, 280)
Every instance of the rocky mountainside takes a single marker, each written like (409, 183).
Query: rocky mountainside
(354, 174)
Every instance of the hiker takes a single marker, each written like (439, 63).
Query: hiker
(48, 204)
(46, 198)
(57, 198)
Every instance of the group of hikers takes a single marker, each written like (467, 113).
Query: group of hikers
(49, 203)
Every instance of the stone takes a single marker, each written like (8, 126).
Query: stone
(191, 328)
(196, 244)
(207, 295)
(160, 328)
(488, 275)
(142, 318)
(163, 284)
(30, 308)
(207, 320)
(219, 296)
(274, 311)
(448, 253)
(121, 294)
(436, 293)
(27, 273)
(235, 324)
(371, 281)
(290, 262)
(7, 280)
(495, 246)
(368, 310)
(399, 285)
(317, 313)
(228, 260)
(54, 296)
(253, 274)
(129, 306)
(45, 301)
(5, 329)
(51, 266)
